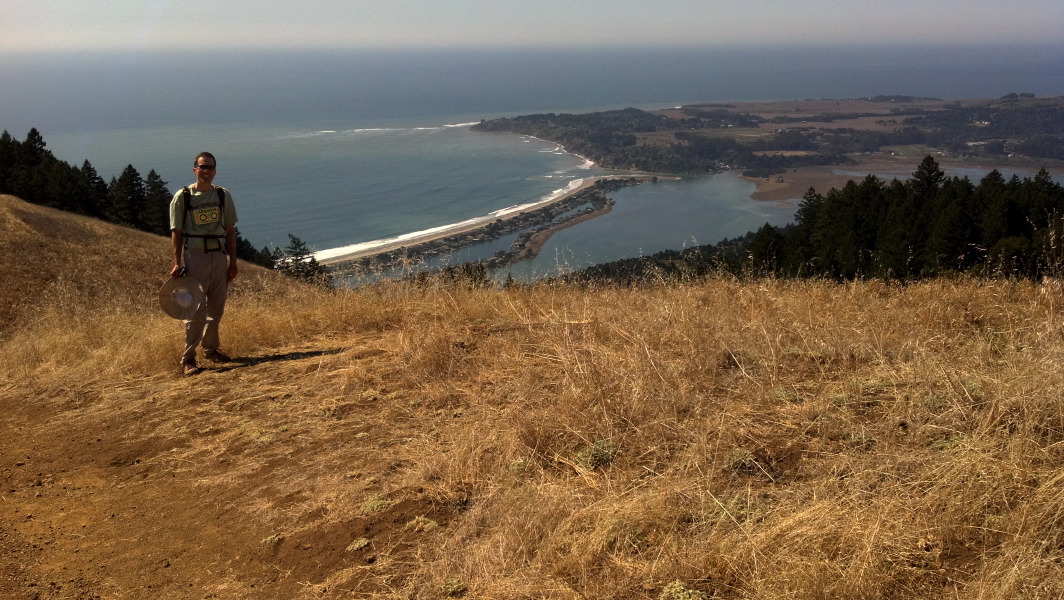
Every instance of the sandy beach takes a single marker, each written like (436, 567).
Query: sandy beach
(347, 253)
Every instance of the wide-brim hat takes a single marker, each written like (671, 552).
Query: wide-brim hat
(181, 297)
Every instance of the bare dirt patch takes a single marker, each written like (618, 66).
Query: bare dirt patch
(192, 488)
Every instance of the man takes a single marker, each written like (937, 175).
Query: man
(202, 228)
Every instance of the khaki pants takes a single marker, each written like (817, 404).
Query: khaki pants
(210, 269)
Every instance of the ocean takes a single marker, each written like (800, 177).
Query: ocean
(342, 147)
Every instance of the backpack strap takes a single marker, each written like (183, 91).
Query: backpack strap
(186, 197)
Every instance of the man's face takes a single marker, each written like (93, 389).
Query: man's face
(204, 170)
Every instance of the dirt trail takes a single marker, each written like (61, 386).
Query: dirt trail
(165, 487)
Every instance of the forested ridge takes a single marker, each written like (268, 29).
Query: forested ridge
(928, 225)
(31, 172)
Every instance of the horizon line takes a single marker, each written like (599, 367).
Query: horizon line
(818, 44)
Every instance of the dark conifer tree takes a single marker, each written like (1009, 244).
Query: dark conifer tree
(155, 213)
(765, 251)
(20, 161)
(34, 149)
(837, 247)
(298, 261)
(995, 210)
(96, 204)
(128, 197)
(926, 180)
(61, 185)
(8, 152)
(866, 212)
(1041, 199)
(803, 243)
(904, 232)
(952, 243)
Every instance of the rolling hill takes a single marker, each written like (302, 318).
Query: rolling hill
(720, 438)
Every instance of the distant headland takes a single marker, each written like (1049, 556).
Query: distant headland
(789, 146)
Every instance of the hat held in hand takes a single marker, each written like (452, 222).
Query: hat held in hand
(181, 297)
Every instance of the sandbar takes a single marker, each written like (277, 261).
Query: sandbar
(536, 243)
(347, 253)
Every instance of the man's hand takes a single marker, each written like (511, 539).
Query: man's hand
(232, 272)
(175, 272)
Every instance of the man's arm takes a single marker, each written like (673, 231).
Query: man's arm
(230, 250)
(177, 237)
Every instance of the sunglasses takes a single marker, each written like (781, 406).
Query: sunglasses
(205, 167)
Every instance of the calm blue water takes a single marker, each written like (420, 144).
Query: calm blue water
(343, 147)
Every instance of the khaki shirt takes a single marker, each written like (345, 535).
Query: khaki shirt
(207, 217)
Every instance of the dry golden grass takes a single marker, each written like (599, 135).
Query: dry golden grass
(763, 439)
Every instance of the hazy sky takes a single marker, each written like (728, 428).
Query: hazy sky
(127, 24)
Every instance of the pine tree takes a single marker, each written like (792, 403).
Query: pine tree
(155, 213)
(34, 150)
(96, 203)
(765, 250)
(904, 233)
(802, 247)
(298, 261)
(128, 198)
(8, 152)
(952, 233)
(995, 210)
(926, 180)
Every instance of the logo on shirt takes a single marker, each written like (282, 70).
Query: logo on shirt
(207, 215)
